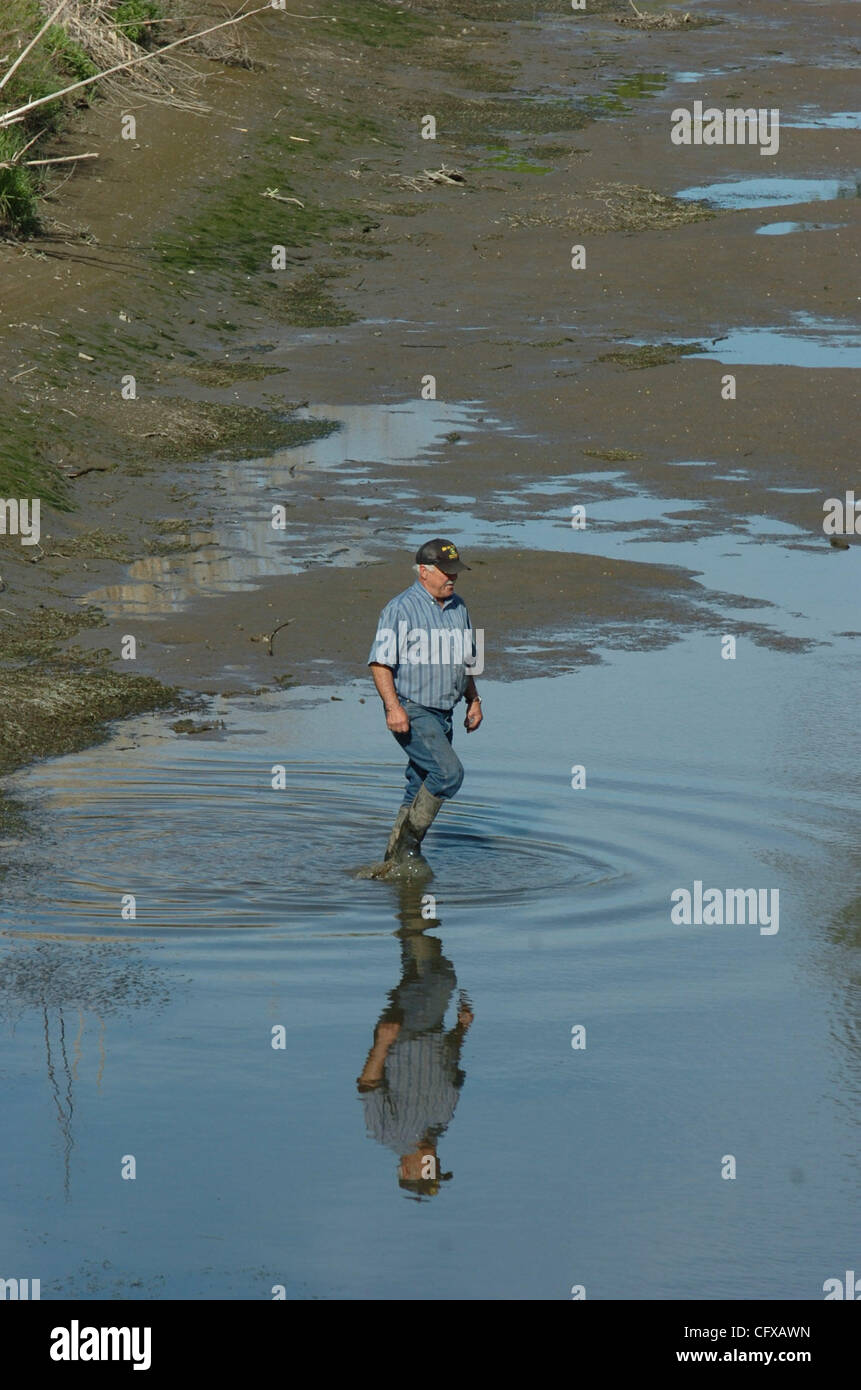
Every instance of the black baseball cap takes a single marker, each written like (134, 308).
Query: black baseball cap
(442, 553)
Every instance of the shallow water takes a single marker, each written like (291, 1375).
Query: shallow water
(152, 1037)
(810, 342)
(601, 1166)
(810, 118)
(785, 228)
(770, 192)
(242, 547)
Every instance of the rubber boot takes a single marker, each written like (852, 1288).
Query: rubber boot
(403, 855)
(418, 821)
(396, 831)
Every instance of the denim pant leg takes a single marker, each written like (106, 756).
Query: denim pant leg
(432, 760)
(415, 777)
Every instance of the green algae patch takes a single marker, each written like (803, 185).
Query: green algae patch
(191, 431)
(43, 631)
(616, 98)
(235, 233)
(51, 711)
(512, 161)
(58, 699)
(655, 21)
(488, 120)
(259, 205)
(651, 355)
(611, 455)
(222, 374)
(25, 470)
(97, 545)
(378, 25)
(307, 303)
(452, 56)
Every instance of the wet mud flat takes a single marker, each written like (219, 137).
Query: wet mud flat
(390, 277)
(556, 389)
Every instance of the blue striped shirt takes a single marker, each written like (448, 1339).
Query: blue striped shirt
(431, 649)
(421, 1092)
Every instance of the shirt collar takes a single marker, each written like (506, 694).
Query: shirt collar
(422, 590)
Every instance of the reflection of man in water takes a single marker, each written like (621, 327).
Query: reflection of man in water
(411, 1082)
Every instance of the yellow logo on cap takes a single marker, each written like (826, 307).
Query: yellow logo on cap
(450, 551)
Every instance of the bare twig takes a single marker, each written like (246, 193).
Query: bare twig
(274, 631)
(143, 23)
(280, 197)
(32, 44)
(24, 148)
(60, 159)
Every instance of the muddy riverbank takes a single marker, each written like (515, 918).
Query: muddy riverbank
(302, 388)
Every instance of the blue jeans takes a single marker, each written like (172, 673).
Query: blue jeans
(432, 760)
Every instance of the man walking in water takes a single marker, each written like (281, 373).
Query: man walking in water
(422, 661)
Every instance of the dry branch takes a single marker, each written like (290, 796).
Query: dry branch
(60, 159)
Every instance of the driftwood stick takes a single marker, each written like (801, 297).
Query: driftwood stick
(273, 632)
(60, 159)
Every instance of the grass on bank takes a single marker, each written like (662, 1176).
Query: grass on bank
(55, 62)
(46, 66)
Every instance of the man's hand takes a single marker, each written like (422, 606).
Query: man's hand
(397, 719)
(465, 1015)
(473, 716)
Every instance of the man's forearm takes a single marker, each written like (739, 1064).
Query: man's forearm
(470, 692)
(384, 680)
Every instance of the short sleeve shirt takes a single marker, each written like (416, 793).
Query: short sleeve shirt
(431, 649)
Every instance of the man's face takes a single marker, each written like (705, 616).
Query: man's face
(436, 581)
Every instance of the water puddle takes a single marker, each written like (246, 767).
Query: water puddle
(815, 342)
(771, 192)
(243, 547)
(800, 592)
(551, 909)
(685, 77)
(786, 228)
(810, 118)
